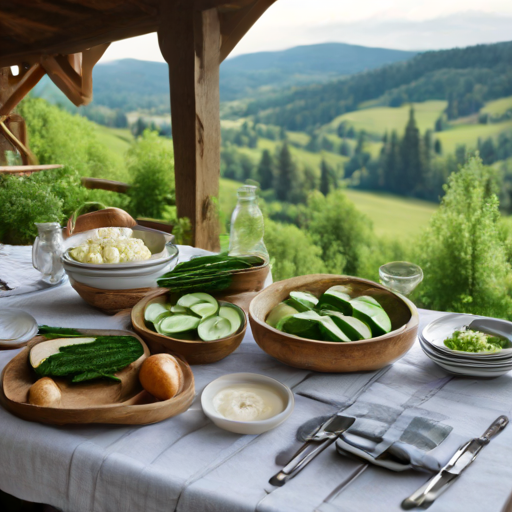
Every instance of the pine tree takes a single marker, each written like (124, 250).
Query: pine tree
(411, 171)
(391, 165)
(286, 179)
(438, 147)
(325, 185)
(344, 148)
(266, 170)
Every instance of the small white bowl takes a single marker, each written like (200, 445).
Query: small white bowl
(246, 427)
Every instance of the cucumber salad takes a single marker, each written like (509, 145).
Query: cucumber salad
(195, 316)
(335, 316)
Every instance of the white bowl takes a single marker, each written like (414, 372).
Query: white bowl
(124, 276)
(246, 427)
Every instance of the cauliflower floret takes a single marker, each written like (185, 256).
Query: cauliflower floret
(111, 255)
(111, 245)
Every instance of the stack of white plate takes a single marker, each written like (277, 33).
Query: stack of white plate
(467, 363)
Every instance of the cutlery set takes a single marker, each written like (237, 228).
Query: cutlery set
(334, 427)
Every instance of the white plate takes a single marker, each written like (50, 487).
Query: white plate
(10, 318)
(470, 372)
(437, 331)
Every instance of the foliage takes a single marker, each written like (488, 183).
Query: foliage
(462, 254)
(58, 137)
(266, 170)
(292, 253)
(24, 201)
(343, 233)
(150, 162)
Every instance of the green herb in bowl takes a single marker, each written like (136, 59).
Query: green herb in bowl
(467, 340)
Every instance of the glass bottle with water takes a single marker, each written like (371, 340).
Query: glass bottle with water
(247, 226)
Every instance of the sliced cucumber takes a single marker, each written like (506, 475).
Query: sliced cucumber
(295, 304)
(354, 328)
(305, 298)
(330, 331)
(214, 328)
(179, 310)
(152, 311)
(233, 316)
(280, 311)
(195, 298)
(303, 324)
(370, 300)
(178, 323)
(336, 298)
(205, 309)
(375, 316)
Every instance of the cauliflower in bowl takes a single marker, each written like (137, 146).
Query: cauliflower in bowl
(111, 245)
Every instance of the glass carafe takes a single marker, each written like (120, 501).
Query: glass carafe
(47, 250)
(247, 225)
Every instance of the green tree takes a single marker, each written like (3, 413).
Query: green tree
(292, 252)
(287, 176)
(325, 184)
(411, 168)
(344, 148)
(343, 233)
(438, 148)
(462, 255)
(151, 163)
(266, 170)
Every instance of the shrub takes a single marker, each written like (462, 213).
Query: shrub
(292, 253)
(151, 163)
(344, 235)
(462, 253)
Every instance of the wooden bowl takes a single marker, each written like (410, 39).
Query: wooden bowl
(97, 401)
(195, 352)
(248, 280)
(324, 356)
(110, 301)
(107, 218)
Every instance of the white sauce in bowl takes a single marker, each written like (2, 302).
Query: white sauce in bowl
(248, 402)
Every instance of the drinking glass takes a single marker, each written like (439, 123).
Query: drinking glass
(47, 250)
(401, 276)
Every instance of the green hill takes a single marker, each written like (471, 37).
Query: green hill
(465, 77)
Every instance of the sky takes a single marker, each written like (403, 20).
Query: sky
(400, 24)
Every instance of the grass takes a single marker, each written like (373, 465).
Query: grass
(498, 107)
(118, 140)
(378, 120)
(469, 135)
(393, 216)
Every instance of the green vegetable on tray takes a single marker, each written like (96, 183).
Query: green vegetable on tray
(335, 316)
(467, 340)
(206, 273)
(196, 315)
(83, 359)
(57, 332)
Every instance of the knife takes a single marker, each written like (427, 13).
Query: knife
(323, 437)
(462, 458)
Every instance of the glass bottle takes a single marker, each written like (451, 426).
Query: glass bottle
(247, 225)
(47, 250)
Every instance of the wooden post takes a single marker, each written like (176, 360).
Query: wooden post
(190, 43)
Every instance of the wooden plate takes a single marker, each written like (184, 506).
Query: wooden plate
(195, 352)
(95, 402)
(324, 356)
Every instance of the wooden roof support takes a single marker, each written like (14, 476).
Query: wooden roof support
(190, 43)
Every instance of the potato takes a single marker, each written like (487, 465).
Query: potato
(161, 376)
(44, 393)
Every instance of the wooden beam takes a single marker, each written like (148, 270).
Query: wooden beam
(190, 43)
(234, 25)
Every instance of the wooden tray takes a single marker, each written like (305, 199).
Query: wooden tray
(95, 402)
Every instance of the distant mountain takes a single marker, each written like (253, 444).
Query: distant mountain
(131, 84)
(466, 77)
(245, 75)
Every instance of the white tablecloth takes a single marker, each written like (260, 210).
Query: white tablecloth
(187, 464)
